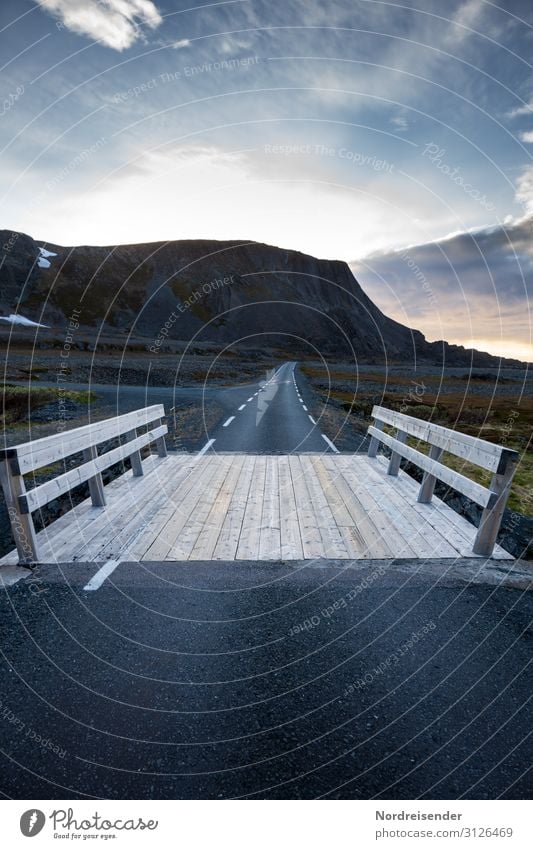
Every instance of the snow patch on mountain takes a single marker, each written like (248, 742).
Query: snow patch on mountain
(43, 262)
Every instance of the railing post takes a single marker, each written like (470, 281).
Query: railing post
(427, 486)
(135, 456)
(96, 483)
(374, 441)
(492, 515)
(160, 441)
(21, 523)
(394, 462)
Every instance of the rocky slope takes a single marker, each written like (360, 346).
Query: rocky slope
(229, 293)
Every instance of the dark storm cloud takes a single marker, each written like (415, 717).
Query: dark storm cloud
(466, 285)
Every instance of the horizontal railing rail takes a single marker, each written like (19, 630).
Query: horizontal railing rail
(498, 459)
(27, 457)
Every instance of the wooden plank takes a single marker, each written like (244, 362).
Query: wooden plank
(373, 445)
(372, 501)
(228, 540)
(135, 457)
(182, 475)
(291, 540)
(248, 547)
(450, 524)
(129, 517)
(21, 524)
(205, 544)
(62, 539)
(312, 543)
(365, 534)
(270, 530)
(332, 539)
(86, 540)
(43, 452)
(184, 504)
(96, 483)
(46, 492)
(428, 481)
(189, 532)
(423, 537)
(113, 533)
(475, 450)
(352, 538)
(395, 458)
(470, 488)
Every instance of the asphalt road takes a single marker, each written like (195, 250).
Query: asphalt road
(258, 680)
(270, 417)
(266, 680)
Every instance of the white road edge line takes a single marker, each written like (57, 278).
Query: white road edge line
(330, 443)
(10, 574)
(228, 422)
(312, 419)
(97, 580)
(241, 407)
(304, 408)
(249, 399)
(206, 447)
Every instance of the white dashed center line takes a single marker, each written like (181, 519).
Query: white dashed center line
(241, 407)
(330, 443)
(206, 447)
(304, 408)
(311, 419)
(228, 422)
(249, 399)
(97, 580)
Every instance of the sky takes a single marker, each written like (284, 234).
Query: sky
(396, 136)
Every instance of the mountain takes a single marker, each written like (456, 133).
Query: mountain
(230, 293)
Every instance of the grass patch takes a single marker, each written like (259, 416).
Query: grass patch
(478, 411)
(19, 402)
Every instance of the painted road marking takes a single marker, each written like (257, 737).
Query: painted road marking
(9, 575)
(241, 407)
(103, 573)
(330, 443)
(304, 408)
(249, 399)
(206, 447)
(311, 419)
(229, 421)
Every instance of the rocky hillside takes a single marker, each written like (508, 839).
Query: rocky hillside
(229, 293)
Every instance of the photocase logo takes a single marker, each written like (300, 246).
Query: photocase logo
(32, 822)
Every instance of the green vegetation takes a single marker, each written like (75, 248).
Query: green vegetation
(505, 419)
(19, 402)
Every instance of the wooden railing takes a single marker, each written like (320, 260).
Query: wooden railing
(23, 459)
(499, 460)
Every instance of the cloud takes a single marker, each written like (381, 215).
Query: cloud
(470, 287)
(524, 189)
(115, 23)
(183, 42)
(399, 123)
(526, 109)
(527, 136)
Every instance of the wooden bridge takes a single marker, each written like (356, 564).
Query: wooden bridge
(252, 507)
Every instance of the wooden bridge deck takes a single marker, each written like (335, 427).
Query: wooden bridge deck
(257, 507)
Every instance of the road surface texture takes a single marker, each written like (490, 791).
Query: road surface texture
(271, 418)
(338, 679)
(260, 680)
